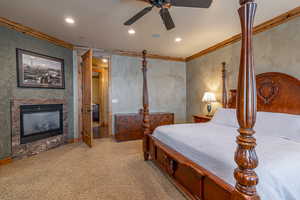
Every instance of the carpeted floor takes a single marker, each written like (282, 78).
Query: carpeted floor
(112, 171)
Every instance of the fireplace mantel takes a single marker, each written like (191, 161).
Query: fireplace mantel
(23, 150)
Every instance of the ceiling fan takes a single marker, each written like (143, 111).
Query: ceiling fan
(164, 6)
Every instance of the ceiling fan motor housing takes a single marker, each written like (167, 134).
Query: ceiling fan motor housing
(161, 3)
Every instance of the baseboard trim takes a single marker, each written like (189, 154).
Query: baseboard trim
(74, 140)
(5, 161)
(153, 56)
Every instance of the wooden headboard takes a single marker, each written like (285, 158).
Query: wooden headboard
(276, 92)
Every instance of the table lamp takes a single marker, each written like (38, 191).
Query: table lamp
(208, 98)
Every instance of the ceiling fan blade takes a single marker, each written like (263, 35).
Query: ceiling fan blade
(138, 16)
(191, 3)
(144, 1)
(167, 19)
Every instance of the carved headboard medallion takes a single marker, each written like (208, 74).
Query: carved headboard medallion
(276, 92)
(267, 90)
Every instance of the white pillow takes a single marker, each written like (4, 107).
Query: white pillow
(225, 117)
(278, 124)
(267, 123)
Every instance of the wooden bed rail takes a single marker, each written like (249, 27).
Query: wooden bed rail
(245, 155)
(146, 120)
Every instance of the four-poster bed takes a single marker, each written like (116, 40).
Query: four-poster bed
(199, 178)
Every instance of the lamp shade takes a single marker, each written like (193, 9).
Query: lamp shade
(209, 97)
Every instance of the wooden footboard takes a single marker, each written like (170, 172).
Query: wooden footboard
(190, 178)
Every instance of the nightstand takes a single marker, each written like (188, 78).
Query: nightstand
(202, 118)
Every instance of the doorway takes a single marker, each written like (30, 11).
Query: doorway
(100, 97)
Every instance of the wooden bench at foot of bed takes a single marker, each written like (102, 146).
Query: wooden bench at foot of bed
(190, 178)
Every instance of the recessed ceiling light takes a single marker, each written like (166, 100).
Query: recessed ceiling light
(104, 60)
(70, 20)
(131, 31)
(178, 39)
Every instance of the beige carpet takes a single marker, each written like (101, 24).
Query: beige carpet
(112, 171)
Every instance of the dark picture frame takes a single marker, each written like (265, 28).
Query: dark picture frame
(35, 70)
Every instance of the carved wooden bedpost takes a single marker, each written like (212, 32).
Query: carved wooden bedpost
(146, 120)
(245, 155)
(224, 89)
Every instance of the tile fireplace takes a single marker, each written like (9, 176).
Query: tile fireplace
(37, 125)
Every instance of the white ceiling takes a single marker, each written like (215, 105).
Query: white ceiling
(99, 23)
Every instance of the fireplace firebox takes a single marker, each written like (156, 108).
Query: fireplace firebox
(40, 121)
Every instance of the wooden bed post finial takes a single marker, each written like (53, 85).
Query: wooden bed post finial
(146, 120)
(224, 89)
(245, 155)
(243, 2)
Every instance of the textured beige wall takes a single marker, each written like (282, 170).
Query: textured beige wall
(167, 86)
(275, 50)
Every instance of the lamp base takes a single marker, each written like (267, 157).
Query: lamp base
(209, 109)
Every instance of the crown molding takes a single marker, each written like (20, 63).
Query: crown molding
(283, 18)
(37, 34)
(153, 56)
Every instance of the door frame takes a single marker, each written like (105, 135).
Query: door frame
(96, 53)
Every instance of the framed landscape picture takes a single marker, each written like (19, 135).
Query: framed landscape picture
(39, 71)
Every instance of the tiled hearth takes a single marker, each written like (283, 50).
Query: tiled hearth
(23, 150)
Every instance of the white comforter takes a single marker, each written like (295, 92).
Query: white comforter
(212, 146)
